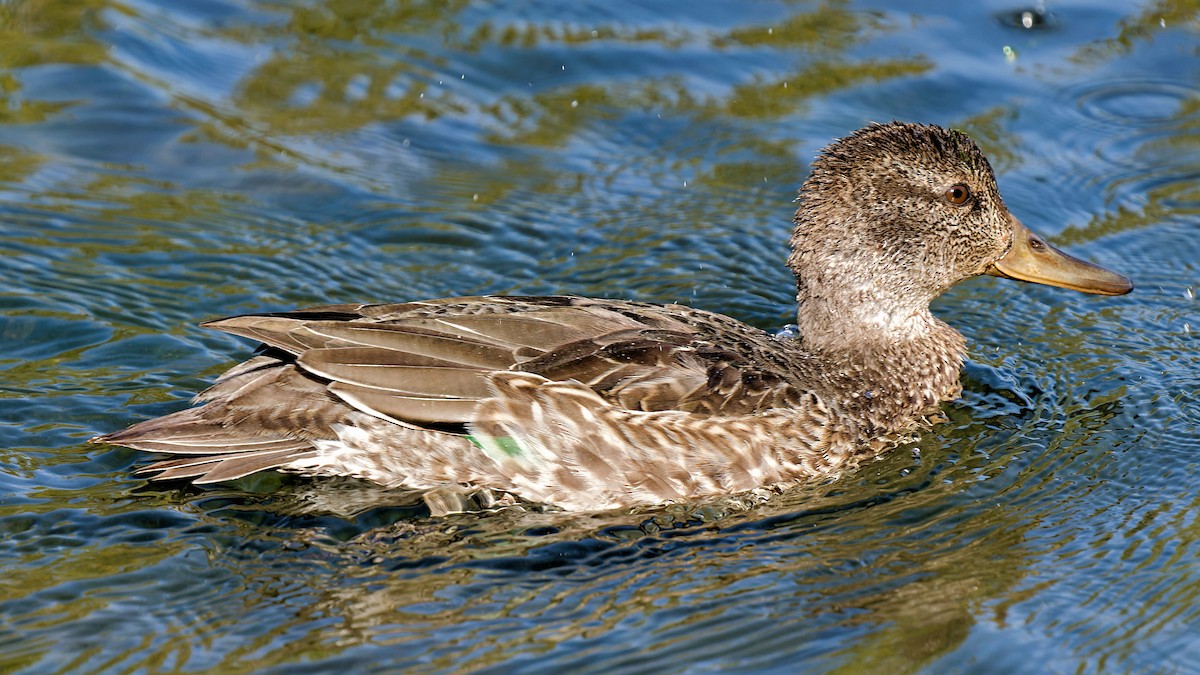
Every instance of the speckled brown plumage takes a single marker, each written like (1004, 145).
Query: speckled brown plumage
(596, 404)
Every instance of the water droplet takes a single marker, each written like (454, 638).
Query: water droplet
(406, 143)
(1010, 54)
(1034, 18)
(475, 197)
(574, 104)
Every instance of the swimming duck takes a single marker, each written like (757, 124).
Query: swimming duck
(590, 404)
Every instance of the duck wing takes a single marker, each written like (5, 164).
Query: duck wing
(428, 363)
(442, 365)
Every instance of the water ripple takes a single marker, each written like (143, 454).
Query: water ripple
(167, 163)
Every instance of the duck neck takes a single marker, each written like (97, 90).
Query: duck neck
(842, 325)
(885, 361)
(855, 303)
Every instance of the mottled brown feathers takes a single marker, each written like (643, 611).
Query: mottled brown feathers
(593, 404)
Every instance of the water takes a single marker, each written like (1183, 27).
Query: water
(164, 163)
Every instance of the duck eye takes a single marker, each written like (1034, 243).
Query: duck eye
(958, 195)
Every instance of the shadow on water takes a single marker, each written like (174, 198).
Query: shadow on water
(161, 164)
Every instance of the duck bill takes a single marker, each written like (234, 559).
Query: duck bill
(1032, 259)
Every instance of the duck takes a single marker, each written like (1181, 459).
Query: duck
(585, 404)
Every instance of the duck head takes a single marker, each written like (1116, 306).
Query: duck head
(894, 215)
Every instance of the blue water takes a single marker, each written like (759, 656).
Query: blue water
(163, 163)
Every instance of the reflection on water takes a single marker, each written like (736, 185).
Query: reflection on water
(164, 163)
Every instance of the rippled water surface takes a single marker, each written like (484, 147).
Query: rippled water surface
(164, 162)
